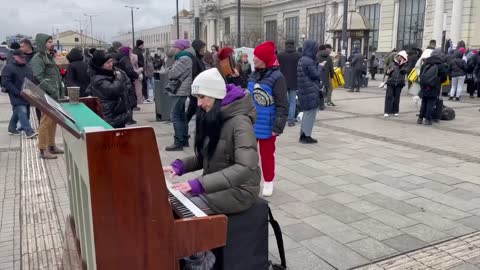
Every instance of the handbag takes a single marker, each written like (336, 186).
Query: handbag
(173, 85)
(413, 76)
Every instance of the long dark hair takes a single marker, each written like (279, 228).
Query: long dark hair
(208, 125)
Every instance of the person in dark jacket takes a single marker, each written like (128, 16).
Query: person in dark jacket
(13, 75)
(13, 46)
(457, 69)
(77, 72)
(309, 76)
(373, 65)
(139, 51)
(470, 76)
(429, 94)
(395, 82)
(288, 60)
(356, 65)
(198, 66)
(111, 86)
(27, 48)
(244, 69)
(327, 74)
(114, 51)
(269, 91)
(125, 65)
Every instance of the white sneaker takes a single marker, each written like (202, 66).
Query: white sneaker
(395, 114)
(267, 189)
(386, 115)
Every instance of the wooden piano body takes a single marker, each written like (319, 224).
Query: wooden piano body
(121, 215)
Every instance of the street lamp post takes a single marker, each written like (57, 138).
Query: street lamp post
(133, 27)
(239, 42)
(91, 25)
(178, 23)
(344, 28)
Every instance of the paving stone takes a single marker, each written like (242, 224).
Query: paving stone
(284, 218)
(334, 228)
(472, 222)
(460, 231)
(337, 211)
(371, 248)
(280, 197)
(469, 187)
(404, 243)
(376, 229)
(438, 187)
(336, 254)
(391, 204)
(389, 191)
(305, 195)
(376, 168)
(321, 189)
(395, 173)
(465, 266)
(331, 180)
(355, 179)
(343, 198)
(302, 258)
(416, 180)
(286, 185)
(355, 190)
(392, 219)
(433, 220)
(425, 233)
(363, 206)
(445, 199)
(437, 208)
(301, 231)
(444, 179)
(288, 244)
(463, 194)
(299, 209)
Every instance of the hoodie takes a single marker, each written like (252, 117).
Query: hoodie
(198, 66)
(77, 72)
(457, 66)
(309, 75)
(328, 72)
(45, 70)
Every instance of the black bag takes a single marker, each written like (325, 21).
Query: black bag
(278, 236)
(173, 85)
(447, 113)
(437, 111)
(429, 76)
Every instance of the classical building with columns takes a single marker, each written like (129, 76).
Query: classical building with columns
(395, 23)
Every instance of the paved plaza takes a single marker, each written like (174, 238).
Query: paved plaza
(374, 193)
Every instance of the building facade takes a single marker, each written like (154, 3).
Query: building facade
(395, 23)
(68, 40)
(160, 38)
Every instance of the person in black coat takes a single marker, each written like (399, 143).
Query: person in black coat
(13, 76)
(457, 69)
(288, 60)
(396, 81)
(125, 65)
(428, 94)
(77, 72)
(198, 66)
(328, 74)
(111, 86)
(309, 75)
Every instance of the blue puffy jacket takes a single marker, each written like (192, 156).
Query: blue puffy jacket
(309, 75)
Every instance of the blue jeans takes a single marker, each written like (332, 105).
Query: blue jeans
(20, 114)
(292, 105)
(179, 120)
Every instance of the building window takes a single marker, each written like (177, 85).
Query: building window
(372, 13)
(76, 39)
(271, 31)
(410, 24)
(316, 27)
(226, 24)
(291, 29)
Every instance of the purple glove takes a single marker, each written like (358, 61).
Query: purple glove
(178, 167)
(196, 186)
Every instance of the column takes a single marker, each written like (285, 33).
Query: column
(438, 21)
(396, 15)
(211, 33)
(329, 23)
(456, 22)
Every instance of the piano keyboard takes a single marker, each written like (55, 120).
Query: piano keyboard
(182, 206)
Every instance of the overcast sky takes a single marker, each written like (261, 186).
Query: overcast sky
(34, 16)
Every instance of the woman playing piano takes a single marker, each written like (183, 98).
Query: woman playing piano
(225, 148)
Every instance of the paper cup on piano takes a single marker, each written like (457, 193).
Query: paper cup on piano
(73, 94)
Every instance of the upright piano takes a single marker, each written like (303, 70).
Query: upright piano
(124, 215)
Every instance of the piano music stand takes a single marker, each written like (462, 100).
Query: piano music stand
(120, 213)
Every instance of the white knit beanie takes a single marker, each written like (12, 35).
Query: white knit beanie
(209, 83)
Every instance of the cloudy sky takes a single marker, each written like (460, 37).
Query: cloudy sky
(33, 16)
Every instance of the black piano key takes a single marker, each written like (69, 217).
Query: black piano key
(179, 209)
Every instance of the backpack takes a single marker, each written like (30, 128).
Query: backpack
(447, 114)
(429, 76)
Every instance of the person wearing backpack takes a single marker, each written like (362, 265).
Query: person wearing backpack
(457, 68)
(396, 81)
(434, 71)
